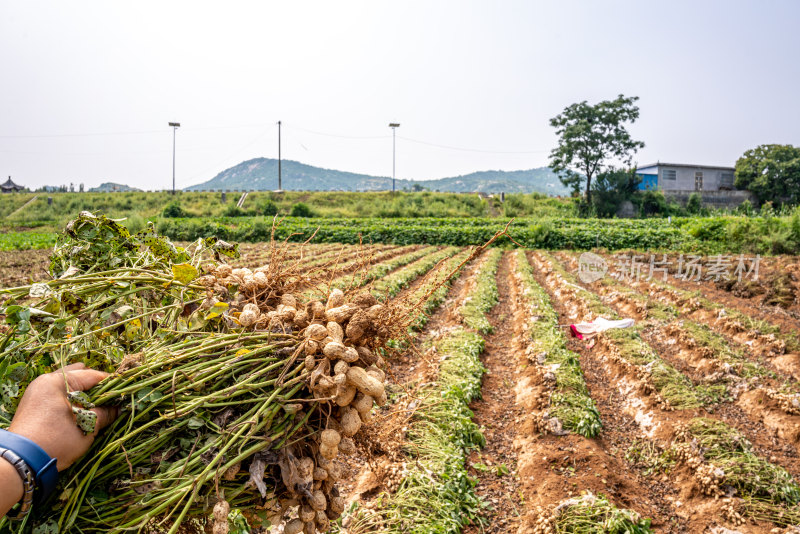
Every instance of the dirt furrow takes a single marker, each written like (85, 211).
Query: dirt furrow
(381, 466)
(551, 468)
(766, 331)
(495, 466)
(774, 295)
(626, 422)
(637, 418)
(753, 392)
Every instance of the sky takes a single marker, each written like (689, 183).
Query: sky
(87, 88)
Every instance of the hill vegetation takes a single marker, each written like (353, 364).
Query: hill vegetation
(138, 207)
(261, 174)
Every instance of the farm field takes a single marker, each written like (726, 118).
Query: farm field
(497, 421)
(32, 209)
(27, 221)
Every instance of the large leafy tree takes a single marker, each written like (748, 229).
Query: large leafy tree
(591, 138)
(772, 172)
(611, 188)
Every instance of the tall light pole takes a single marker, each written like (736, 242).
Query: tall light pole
(175, 126)
(393, 126)
(279, 157)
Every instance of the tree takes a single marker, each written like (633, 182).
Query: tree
(695, 203)
(613, 187)
(301, 210)
(590, 136)
(268, 208)
(173, 210)
(772, 172)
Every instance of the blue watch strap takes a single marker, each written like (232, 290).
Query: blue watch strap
(43, 467)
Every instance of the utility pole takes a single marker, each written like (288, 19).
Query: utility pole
(175, 126)
(393, 126)
(279, 157)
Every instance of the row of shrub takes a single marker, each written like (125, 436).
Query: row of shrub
(174, 210)
(550, 235)
(767, 233)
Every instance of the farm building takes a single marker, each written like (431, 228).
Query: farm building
(10, 187)
(683, 177)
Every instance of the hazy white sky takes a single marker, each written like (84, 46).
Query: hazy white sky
(88, 87)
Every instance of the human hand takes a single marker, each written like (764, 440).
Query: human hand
(44, 414)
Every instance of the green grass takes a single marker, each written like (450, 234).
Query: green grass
(570, 401)
(436, 494)
(483, 296)
(321, 203)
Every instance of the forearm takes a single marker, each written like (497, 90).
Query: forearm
(11, 487)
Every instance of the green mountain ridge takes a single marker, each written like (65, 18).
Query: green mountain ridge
(261, 174)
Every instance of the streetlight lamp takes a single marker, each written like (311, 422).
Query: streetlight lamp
(175, 126)
(393, 126)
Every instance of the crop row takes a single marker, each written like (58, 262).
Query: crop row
(381, 269)
(434, 287)
(723, 461)
(392, 284)
(734, 320)
(571, 406)
(484, 295)
(674, 389)
(436, 493)
(26, 240)
(582, 234)
(730, 359)
(555, 234)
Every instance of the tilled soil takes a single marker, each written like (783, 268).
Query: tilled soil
(782, 272)
(378, 468)
(629, 413)
(773, 432)
(652, 497)
(495, 466)
(21, 267)
(321, 276)
(765, 348)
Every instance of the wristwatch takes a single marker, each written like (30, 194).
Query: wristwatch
(38, 471)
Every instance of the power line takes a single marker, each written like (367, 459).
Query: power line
(232, 154)
(314, 132)
(143, 132)
(133, 132)
(471, 149)
(339, 135)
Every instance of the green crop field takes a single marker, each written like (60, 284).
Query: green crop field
(400, 218)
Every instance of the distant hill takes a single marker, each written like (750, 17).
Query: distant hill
(111, 187)
(262, 174)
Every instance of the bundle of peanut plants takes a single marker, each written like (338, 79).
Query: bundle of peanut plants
(237, 398)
